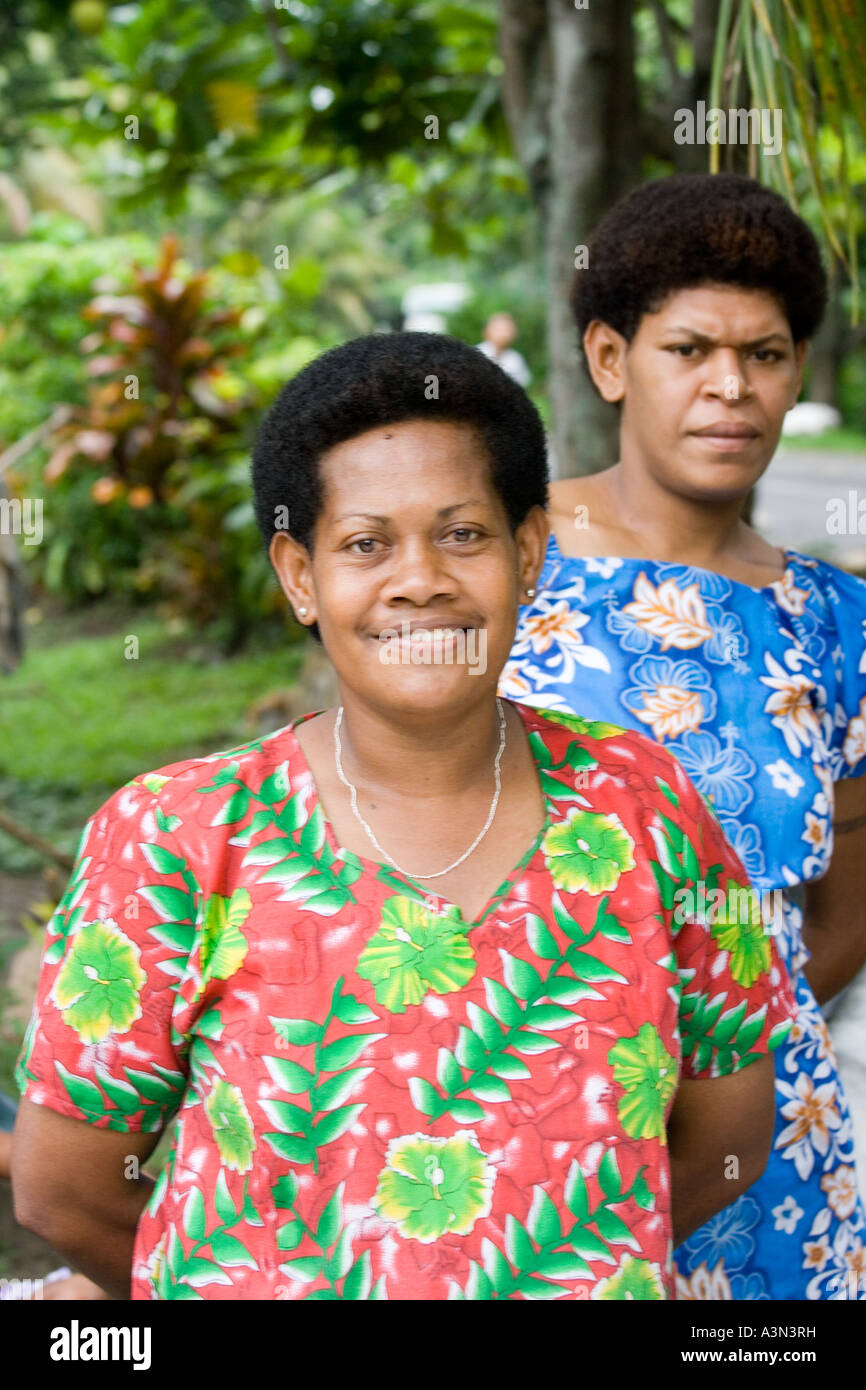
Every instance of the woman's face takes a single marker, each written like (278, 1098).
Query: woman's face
(705, 384)
(412, 532)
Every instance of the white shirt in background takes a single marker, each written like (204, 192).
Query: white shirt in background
(511, 361)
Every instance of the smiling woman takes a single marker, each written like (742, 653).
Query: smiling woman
(482, 1089)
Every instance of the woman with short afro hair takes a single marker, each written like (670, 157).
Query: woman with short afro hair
(405, 969)
(658, 607)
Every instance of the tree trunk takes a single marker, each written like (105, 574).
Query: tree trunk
(680, 89)
(828, 348)
(570, 95)
(525, 44)
(594, 158)
(13, 599)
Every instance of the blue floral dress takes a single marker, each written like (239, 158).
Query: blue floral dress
(761, 695)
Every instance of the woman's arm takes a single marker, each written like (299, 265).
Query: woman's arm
(719, 1133)
(834, 916)
(76, 1186)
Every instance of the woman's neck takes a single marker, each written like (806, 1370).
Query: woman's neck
(605, 514)
(429, 755)
(670, 526)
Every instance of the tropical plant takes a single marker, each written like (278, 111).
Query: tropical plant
(806, 61)
(168, 395)
(152, 470)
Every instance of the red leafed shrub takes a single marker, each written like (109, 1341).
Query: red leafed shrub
(150, 476)
(164, 353)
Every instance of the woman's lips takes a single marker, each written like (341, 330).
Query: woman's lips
(727, 441)
(422, 636)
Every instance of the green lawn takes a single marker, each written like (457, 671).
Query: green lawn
(843, 441)
(78, 718)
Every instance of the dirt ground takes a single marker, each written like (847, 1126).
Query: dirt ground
(22, 1254)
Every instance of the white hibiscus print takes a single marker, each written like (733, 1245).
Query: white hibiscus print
(814, 1113)
(816, 1253)
(791, 705)
(787, 1215)
(785, 779)
(607, 565)
(815, 833)
(854, 747)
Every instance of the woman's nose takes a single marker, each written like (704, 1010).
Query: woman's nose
(417, 572)
(727, 376)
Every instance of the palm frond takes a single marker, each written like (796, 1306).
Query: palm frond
(806, 59)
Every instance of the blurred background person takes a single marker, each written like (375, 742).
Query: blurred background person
(500, 332)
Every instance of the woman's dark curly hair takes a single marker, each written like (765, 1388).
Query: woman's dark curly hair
(693, 229)
(382, 379)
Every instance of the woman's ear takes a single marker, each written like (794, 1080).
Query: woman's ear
(532, 535)
(605, 355)
(291, 562)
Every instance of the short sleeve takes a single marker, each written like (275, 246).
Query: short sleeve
(846, 596)
(101, 1044)
(736, 1001)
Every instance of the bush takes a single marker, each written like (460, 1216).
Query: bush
(147, 485)
(45, 283)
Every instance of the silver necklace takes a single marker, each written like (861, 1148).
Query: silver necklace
(384, 853)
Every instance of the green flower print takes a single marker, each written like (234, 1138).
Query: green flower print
(156, 1265)
(738, 927)
(431, 1187)
(649, 1075)
(223, 945)
(636, 1279)
(588, 851)
(415, 951)
(231, 1124)
(594, 728)
(98, 987)
(153, 781)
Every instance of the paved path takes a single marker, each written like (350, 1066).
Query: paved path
(792, 503)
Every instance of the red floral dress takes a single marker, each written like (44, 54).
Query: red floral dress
(375, 1098)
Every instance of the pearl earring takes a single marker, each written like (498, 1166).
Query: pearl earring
(303, 612)
(530, 593)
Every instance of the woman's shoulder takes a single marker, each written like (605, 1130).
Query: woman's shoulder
(828, 575)
(261, 767)
(620, 750)
(839, 595)
(551, 723)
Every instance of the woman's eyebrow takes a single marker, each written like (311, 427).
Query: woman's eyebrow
(384, 520)
(706, 341)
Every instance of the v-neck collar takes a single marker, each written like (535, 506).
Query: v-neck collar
(435, 902)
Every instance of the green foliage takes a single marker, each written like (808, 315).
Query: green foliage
(520, 1015)
(230, 92)
(45, 283)
(153, 452)
(148, 485)
(326, 1084)
(149, 493)
(541, 1251)
(805, 61)
(127, 716)
(305, 127)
